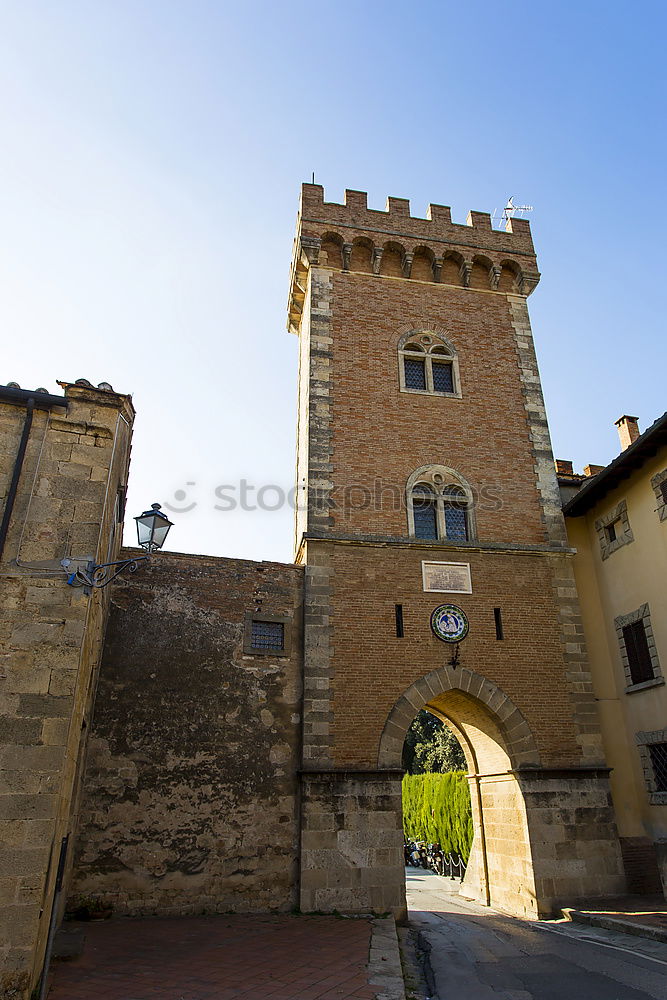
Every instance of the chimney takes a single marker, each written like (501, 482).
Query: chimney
(628, 430)
(592, 470)
(563, 468)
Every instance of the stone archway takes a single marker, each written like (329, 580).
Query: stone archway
(521, 746)
(496, 740)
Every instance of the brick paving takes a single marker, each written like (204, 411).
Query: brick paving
(219, 958)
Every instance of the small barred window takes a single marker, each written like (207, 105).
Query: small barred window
(267, 635)
(658, 757)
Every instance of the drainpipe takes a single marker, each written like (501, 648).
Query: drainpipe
(16, 474)
(21, 397)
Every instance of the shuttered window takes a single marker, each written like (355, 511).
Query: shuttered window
(639, 656)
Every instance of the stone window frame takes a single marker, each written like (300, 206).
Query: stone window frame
(428, 341)
(619, 513)
(439, 477)
(643, 614)
(644, 740)
(656, 483)
(263, 616)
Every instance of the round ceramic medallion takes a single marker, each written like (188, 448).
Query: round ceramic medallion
(449, 623)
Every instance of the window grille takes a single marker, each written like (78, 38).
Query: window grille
(658, 756)
(426, 523)
(415, 373)
(267, 635)
(455, 521)
(663, 490)
(610, 531)
(639, 656)
(443, 379)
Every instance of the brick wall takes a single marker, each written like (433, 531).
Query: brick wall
(373, 667)
(381, 435)
(190, 799)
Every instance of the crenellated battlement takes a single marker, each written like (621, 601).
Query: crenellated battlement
(351, 237)
(397, 220)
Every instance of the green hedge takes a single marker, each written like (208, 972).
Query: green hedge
(436, 807)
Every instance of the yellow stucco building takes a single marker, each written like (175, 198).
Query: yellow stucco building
(616, 520)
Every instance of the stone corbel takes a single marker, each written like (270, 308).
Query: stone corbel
(310, 250)
(494, 277)
(465, 272)
(407, 264)
(437, 268)
(377, 259)
(528, 282)
(347, 253)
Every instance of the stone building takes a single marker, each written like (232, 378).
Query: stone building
(62, 478)
(244, 751)
(616, 518)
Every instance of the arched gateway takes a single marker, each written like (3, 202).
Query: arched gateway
(428, 512)
(496, 741)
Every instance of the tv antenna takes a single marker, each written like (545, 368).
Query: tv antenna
(510, 211)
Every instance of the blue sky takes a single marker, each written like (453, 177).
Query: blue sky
(152, 158)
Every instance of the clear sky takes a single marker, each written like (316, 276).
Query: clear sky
(152, 154)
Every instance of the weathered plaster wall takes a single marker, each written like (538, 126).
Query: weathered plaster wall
(190, 800)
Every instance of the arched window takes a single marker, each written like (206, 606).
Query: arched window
(440, 505)
(428, 364)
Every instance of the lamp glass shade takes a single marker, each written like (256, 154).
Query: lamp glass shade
(152, 528)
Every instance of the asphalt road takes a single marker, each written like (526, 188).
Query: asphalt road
(479, 954)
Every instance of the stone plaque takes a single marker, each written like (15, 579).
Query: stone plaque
(447, 577)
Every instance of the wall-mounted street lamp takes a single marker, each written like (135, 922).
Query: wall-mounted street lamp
(152, 529)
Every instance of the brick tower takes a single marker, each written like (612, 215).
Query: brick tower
(425, 478)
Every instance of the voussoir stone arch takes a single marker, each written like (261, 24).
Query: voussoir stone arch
(440, 336)
(519, 741)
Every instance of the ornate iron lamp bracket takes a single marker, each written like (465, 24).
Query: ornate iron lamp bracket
(99, 576)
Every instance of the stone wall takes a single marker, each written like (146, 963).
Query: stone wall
(352, 842)
(50, 640)
(190, 802)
